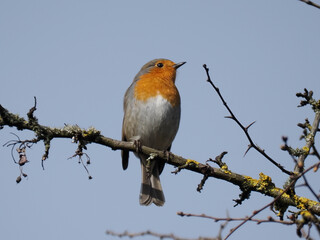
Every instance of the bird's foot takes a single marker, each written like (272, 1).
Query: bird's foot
(137, 144)
(149, 164)
(167, 154)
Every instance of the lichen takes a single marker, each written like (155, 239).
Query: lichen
(306, 215)
(191, 162)
(306, 150)
(225, 169)
(263, 184)
(250, 182)
(90, 132)
(303, 203)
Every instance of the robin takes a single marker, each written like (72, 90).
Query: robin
(151, 118)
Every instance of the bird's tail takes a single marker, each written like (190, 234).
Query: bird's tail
(151, 190)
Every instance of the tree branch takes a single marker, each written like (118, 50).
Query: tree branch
(158, 235)
(263, 185)
(311, 128)
(309, 134)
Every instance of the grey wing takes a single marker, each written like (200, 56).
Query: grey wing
(124, 153)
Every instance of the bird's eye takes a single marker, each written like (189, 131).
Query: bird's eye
(160, 65)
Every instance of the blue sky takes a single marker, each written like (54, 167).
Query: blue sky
(79, 57)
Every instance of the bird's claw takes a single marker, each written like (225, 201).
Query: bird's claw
(167, 154)
(137, 144)
(149, 160)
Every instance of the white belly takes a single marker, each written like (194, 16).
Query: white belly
(154, 122)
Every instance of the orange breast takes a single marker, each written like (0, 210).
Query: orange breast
(151, 85)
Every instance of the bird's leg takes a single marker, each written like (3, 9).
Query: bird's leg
(150, 163)
(167, 154)
(137, 144)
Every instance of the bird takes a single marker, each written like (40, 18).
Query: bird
(152, 109)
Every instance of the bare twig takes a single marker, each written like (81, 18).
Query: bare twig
(310, 3)
(309, 134)
(229, 219)
(306, 183)
(154, 234)
(309, 143)
(244, 129)
(315, 152)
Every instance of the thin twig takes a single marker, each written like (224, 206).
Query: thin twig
(154, 234)
(245, 129)
(306, 183)
(309, 142)
(310, 3)
(315, 152)
(229, 219)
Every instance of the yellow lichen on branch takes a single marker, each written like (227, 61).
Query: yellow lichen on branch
(247, 184)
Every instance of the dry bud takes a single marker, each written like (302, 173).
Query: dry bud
(283, 147)
(18, 179)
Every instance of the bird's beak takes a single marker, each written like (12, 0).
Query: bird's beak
(177, 65)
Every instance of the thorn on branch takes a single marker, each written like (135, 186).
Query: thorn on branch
(247, 127)
(249, 147)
